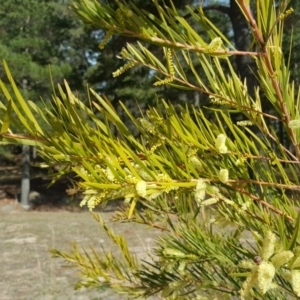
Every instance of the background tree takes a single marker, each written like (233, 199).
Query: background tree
(37, 37)
(36, 34)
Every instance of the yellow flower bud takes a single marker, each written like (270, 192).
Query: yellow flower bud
(265, 275)
(247, 264)
(220, 143)
(209, 201)
(268, 245)
(223, 175)
(281, 258)
(248, 284)
(174, 253)
(294, 124)
(244, 123)
(200, 190)
(141, 188)
(215, 45)
(109, 174)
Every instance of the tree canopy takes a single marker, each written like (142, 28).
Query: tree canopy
(36, 34)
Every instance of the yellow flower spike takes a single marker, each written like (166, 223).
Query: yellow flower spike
(215, 190)
(215, 45)
(173, 253)
(295, 281)
(124, 68)
(286, 14)
(294, 124)
(281, 258)
(163, 178)
(265, 275)
(171, 70)
(84, 201)
(109, 174)
(141, 188)
(224, 175)
(220, 143)
(228, 201)
(106, 39)
(170, 62)
(210, 201)
(268, 245)
(196, 163)
(244, 123)
(248, 284)
(163, 81)
(200, 190)
(131, 179)
(247, 264)
(240, 162)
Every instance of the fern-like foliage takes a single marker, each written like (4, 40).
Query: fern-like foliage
(206, 182)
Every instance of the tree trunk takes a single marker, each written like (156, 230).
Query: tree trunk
(25, 183)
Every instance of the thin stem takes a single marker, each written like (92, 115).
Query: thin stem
(246, 10)
(192, 48)
(264, 183)
(264, 203)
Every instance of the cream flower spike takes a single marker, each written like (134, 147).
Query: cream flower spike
(220, 143)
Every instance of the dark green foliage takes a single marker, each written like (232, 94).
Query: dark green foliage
(35, 34)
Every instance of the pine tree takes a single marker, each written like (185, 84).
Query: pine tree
(188, 169)
(36, 34)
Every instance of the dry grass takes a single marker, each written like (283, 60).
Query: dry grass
(27, 270)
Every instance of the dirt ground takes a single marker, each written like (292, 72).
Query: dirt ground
(27, 270)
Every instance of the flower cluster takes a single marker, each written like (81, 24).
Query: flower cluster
(131, 179)
(264, 267)
(92, 198)
(166, 187)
